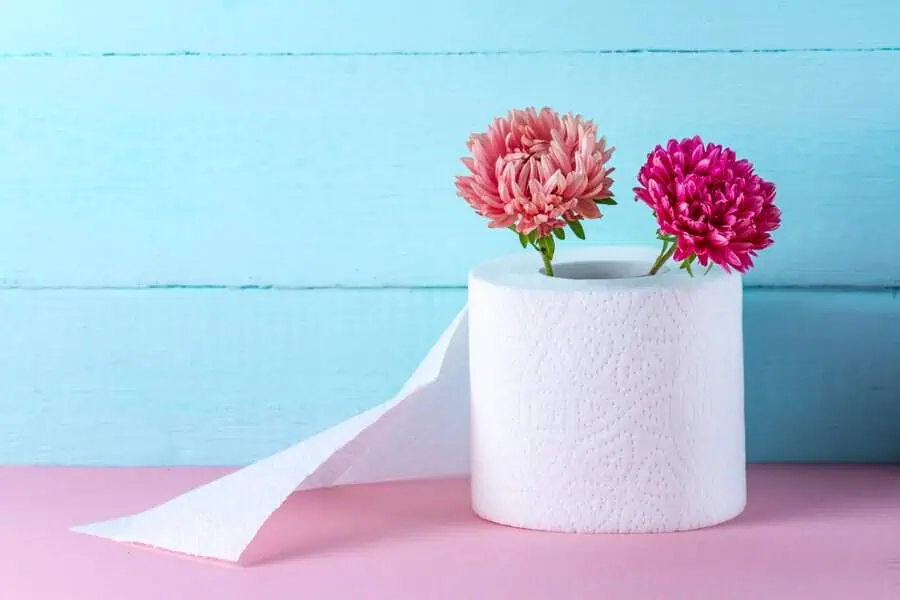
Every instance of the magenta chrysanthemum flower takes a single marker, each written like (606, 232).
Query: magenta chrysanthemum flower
(709, 203)
(536, 171)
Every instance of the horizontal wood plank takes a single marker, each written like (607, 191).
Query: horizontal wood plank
(211, 377)
(339, 170)
(60, 26)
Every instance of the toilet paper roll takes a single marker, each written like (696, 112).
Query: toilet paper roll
(646, 433)
(605, 400)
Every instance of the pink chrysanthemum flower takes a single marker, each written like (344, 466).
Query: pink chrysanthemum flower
(536, 171)
(709, 203)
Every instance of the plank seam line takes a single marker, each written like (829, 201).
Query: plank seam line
(405, 53)
(893, 288)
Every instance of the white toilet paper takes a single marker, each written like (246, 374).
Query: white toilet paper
(626, 395)
(422, 432)
(606, 405)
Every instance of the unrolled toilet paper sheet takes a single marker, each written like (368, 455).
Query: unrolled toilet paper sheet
(423, 432)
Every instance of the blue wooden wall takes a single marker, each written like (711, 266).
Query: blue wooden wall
(225, 225)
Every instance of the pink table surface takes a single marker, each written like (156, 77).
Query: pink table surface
(823, 533)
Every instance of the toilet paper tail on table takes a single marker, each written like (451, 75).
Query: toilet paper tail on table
(423, 432)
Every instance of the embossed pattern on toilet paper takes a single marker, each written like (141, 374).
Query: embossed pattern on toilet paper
(607, 410)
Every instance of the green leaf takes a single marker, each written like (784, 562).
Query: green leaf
(607, 201)
(686, 264)
(523, 240)
(560, 233)
(577, 229)
(709, 268)
(550, 245)
(532, 237)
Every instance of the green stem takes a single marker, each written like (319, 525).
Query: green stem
(548, 265)
(664, 255)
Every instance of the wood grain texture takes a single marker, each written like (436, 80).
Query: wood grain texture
(59, 26)
(324, 171)
(227, 377)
